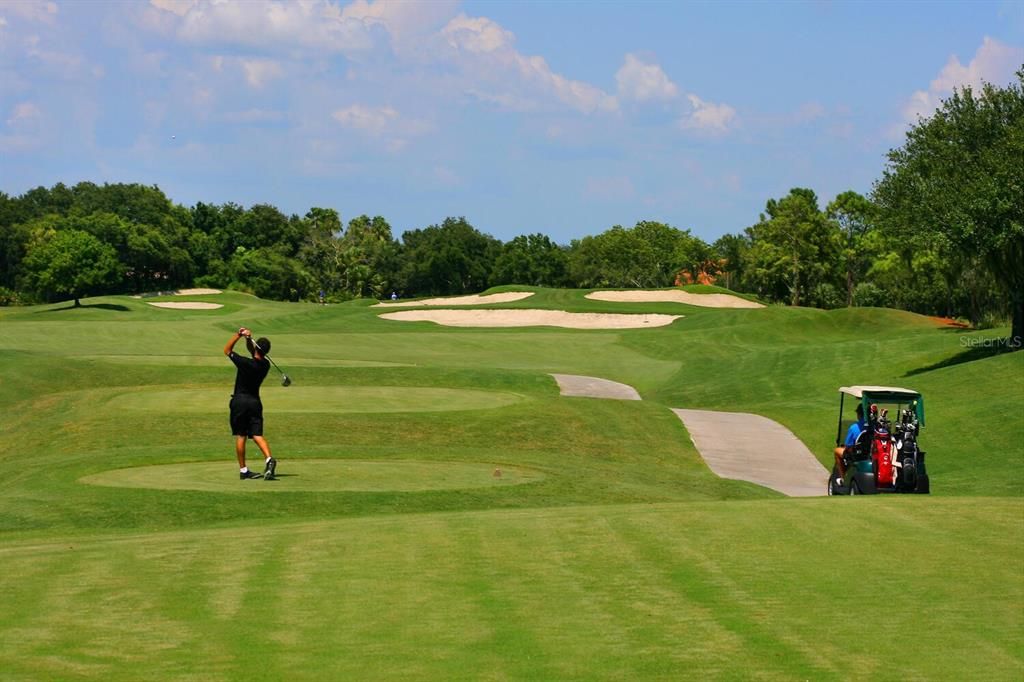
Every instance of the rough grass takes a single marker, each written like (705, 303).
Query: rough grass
(619, 556)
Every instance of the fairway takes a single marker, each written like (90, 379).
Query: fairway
(444, 512)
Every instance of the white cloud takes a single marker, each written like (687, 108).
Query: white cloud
(421, 34)
(23, 128)
(31, 10)
(366, 119)
(993, 62)
(477, 34)
(179, 7)
(506, 101)
(486, 53)
(24, 114)
(258, 72)
(708, 117)
(382, 123)
(641, 81)
(267, 24)
(405, 21)
(62, 63)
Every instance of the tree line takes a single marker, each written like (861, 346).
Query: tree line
(67, 242)
(942, 233)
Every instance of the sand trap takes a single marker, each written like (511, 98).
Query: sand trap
(324, 475)
(533, 318)
(674, 296)
(187, 305)
(196, 292)
(180, 292)
(749, 447)
(578, 386)
(474, 299)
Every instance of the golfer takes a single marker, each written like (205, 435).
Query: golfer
(246, 406)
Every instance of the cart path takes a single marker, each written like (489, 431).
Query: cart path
(749, 447)
(593, 387)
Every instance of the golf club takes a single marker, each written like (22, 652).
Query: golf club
(285, 380)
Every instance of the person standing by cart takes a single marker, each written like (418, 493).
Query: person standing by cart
(856, 428)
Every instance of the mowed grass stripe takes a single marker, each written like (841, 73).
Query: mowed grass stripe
(218, 360)
(671, 591)
(308, 399)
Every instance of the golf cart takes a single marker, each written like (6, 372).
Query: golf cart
(885, 457)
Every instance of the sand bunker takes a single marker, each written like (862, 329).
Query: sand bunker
(196, 292)
(674, 296)
(180, 292)
(188, 305)
(533, 318)
(474, 299)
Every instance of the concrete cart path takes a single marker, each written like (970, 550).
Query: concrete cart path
(592, 387)
(749, 447)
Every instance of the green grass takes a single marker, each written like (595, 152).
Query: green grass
(605, 550)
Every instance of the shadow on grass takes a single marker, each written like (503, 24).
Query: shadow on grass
(989, 348)
(89, 306)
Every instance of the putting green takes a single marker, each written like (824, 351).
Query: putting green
(333, 399)
(221, 361)
(320, 475)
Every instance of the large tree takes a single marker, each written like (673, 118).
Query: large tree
(451, 258)
(71, 263)
(650, 254)
(793, 248)
(854, 215)
(531, 259)
(959, 177)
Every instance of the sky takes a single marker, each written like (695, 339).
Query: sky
(560, 118)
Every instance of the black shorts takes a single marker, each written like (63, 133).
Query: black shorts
(246, 416)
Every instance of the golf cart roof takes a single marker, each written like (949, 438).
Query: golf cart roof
(881, 392)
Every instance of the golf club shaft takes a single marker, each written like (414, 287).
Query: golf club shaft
(249, 342)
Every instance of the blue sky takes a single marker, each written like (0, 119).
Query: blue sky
(563, 118)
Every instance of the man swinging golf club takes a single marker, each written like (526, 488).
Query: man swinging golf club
(246, 406)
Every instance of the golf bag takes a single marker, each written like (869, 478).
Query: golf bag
(909, 459)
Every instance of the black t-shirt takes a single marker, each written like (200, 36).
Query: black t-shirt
(251, 373)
